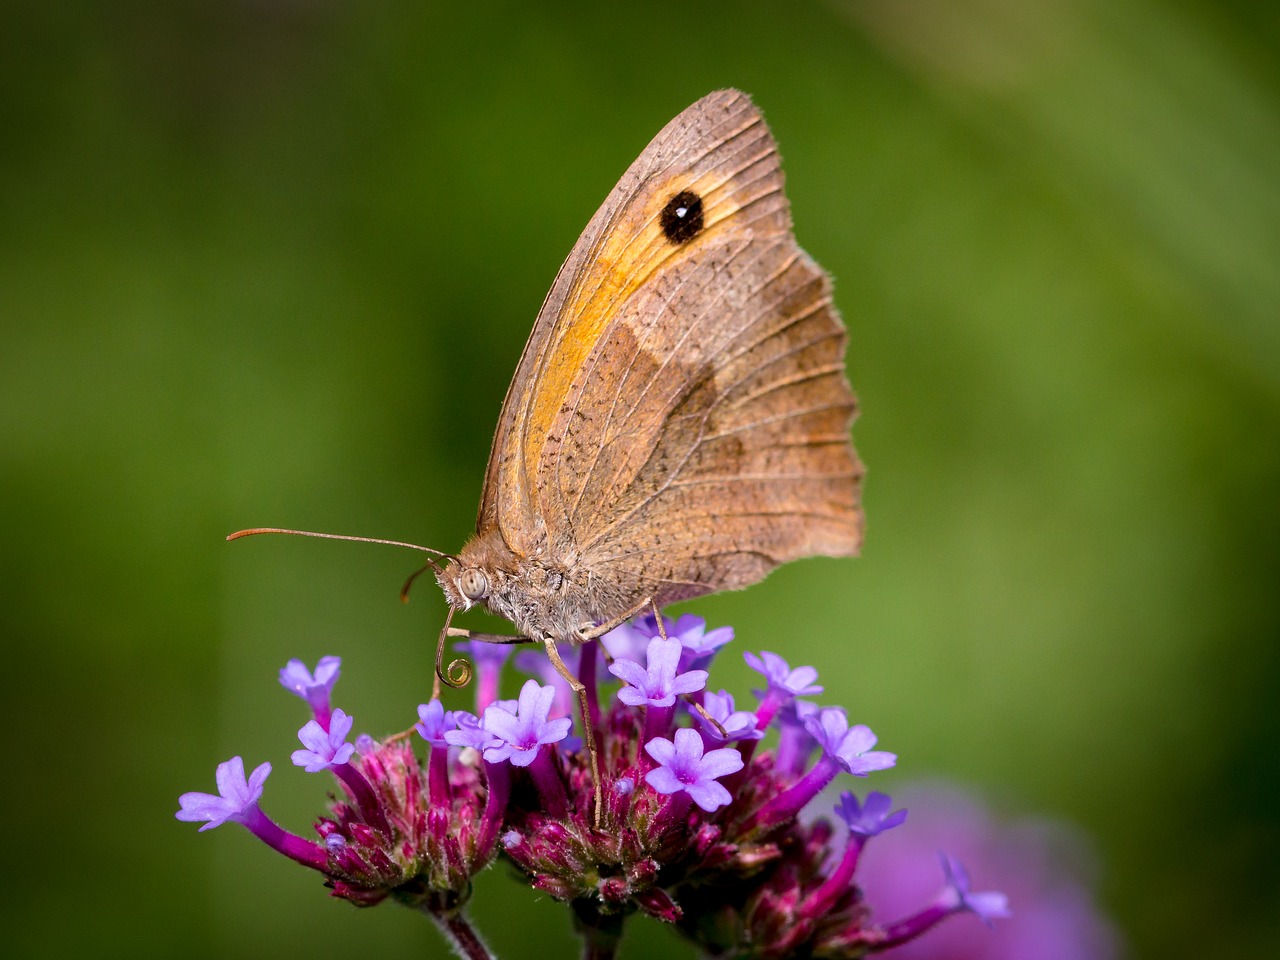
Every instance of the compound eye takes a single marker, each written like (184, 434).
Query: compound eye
(473, 583)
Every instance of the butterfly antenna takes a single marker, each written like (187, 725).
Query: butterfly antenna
(431, 564)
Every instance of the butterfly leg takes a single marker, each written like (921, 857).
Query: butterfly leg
(657, 618)
(581, 690)
(601, 629)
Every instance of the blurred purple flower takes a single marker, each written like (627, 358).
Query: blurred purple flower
(315, 688)
(1045, 868)
(871, 817)
(987, 906)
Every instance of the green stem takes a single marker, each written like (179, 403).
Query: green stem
(457, 929)
(601, 932)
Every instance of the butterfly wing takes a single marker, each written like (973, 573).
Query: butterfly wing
(679, 421)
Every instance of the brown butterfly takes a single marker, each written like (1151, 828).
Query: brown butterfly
(679, 421)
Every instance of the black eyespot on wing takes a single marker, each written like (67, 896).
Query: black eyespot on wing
(681, 218)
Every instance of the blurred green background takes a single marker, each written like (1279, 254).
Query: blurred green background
(273, 263)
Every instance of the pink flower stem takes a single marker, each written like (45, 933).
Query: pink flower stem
(820, 901)
(676, 808)
(787, 804)
(487, 684)
(899, 932)
(305, 852)
(657, 721)
(364, 797)
(438, 777)
(547, 780)
(769, 706)
(498, 776)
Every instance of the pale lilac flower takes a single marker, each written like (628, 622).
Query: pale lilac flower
(237, 797)
(659, 683)
(737, 724)
(324, 749)
(848, 746)
(315, 688)
(871, 817)
(434, 721)
(958, 896)
(518, 735)
(469, 731)
(1047, 869)
(698, 647)
(684, 766)
(797, 682)
(629, 640)
(489, 659)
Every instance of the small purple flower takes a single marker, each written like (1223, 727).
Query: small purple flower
(628, 641)
(434, 721)
(313, 688)
(698, 646)
(324, 749)
(237, 798)
(659, 684)
(489, 659)
(737, 724)
(238, 801)
(470, 732)
(797, 682)
(987, 906)
(871, 817)
(684, 766)
(848, 746)
(518, 735)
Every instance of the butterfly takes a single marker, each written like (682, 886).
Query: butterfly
(679, 421)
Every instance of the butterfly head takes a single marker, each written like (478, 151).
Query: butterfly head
(464, 584)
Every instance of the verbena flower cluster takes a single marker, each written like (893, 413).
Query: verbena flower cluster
(701, 824)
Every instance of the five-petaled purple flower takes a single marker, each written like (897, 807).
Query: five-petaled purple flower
(735, 724)
(987, 906)
(658, 684)
(683, 765)
(848, 746)
(518, 734)
(236, 797)
(797, 682)
(871, 817)
(434, 721)
(324, 749)
(315, 688)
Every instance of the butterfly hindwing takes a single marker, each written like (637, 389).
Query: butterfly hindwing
(679, 420)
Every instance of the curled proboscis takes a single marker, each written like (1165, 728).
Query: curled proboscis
(458, 675)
